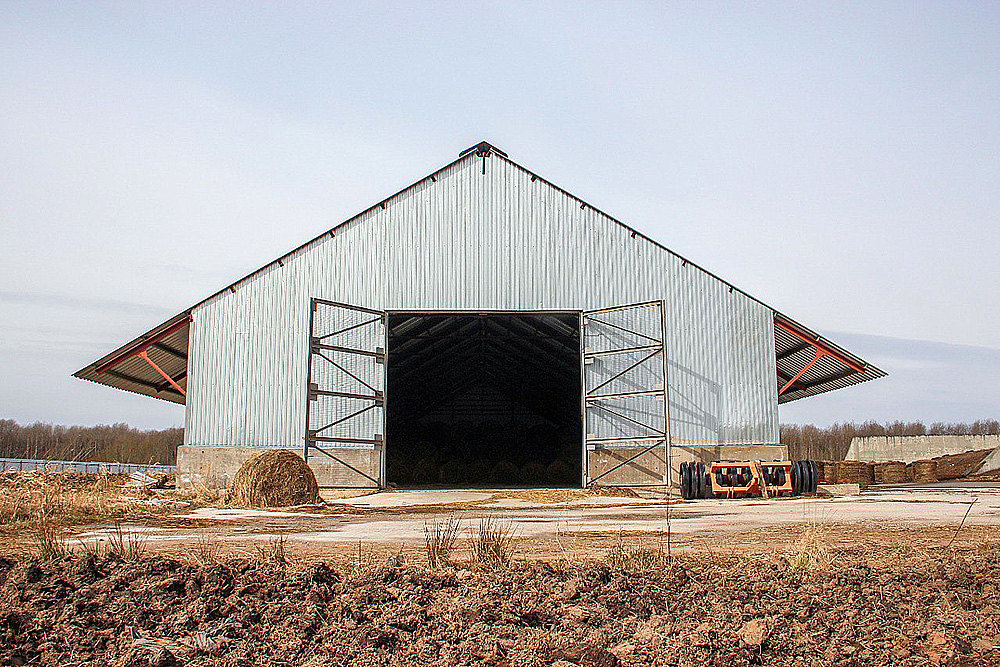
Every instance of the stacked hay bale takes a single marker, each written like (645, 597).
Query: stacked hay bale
(924, 471)
(890, 472)
(855, 472)
(827, 471)
(274, 478)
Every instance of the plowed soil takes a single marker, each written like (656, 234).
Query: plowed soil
(901, 607)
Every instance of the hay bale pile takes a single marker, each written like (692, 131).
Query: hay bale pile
(955, 466)
(827, 471)
(855, 472)
(274, 478)
(924, 471)
(890, 472)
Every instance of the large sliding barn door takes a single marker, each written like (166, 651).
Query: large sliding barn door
(345, 404)
(626, 437)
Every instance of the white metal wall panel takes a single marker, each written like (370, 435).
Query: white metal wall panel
(470, 240)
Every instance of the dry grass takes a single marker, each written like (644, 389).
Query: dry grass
(48, 540)
(812, 552)
(439, 540)
(65, 499)
(640, 557)
(275, 552)
(205, 550)
(129, 546)
(493, 543)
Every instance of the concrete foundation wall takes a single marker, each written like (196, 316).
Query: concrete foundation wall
(214, 467)
(916, 447)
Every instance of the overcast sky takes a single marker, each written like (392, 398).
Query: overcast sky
(839, 162)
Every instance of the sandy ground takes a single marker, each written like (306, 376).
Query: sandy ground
(562, 522)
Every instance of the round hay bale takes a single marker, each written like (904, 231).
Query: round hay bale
(561, 473)
(855, 472)
(533, 472)
(425, 472)
(925, 471)
(504, 472)
(479, 471)
(274, 478)
(454, 472)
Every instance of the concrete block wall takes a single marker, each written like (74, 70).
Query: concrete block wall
(916, 447)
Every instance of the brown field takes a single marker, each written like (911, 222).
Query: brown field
(94, 572)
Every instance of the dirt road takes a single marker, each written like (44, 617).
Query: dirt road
(553, 521)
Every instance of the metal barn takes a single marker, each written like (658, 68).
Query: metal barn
(479, 326)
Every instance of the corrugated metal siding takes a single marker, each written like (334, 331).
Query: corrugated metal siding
(471, 240)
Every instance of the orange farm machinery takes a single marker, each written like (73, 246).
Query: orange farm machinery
(746, 479)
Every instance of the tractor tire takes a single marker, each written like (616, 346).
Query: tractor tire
(704, 484)
(685, 481)
(796, 478)
(811, 486)
(815, 467)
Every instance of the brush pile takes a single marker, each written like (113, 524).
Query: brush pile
(274, 478)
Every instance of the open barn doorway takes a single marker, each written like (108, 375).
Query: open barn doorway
(484, 399)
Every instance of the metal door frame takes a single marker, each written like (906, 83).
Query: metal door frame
(378, 397)
(661, 437)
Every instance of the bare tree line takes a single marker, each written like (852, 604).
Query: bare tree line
(831, 443)
(120, 442)
(114, 442)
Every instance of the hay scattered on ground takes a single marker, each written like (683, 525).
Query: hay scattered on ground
(274, 478)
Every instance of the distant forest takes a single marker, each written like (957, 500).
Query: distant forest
(115, 442)
(120, 442)
(831, 443)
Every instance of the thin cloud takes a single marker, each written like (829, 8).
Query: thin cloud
(85, 303)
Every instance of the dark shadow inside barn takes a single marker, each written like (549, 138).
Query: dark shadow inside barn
(487, 399)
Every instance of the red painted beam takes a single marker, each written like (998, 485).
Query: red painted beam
(819, 346)
(162, 374)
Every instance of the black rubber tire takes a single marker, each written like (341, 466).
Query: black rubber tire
(685, 481)
(796, 478)
(706, 483)
(815, 468)
(699, 475)
(812, 477)
(805, 479)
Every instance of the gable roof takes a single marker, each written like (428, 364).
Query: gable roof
(123, 368)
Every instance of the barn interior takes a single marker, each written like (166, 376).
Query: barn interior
(486, 399)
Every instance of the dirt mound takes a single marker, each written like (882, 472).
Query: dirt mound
(700, 611)
(274, 478)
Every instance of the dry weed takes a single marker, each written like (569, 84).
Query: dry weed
(811, 552)
(635, 558)
(493, 543)
(129, 546)
(205, 550)
(439, 540)
(275, 551)
(48, 541)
